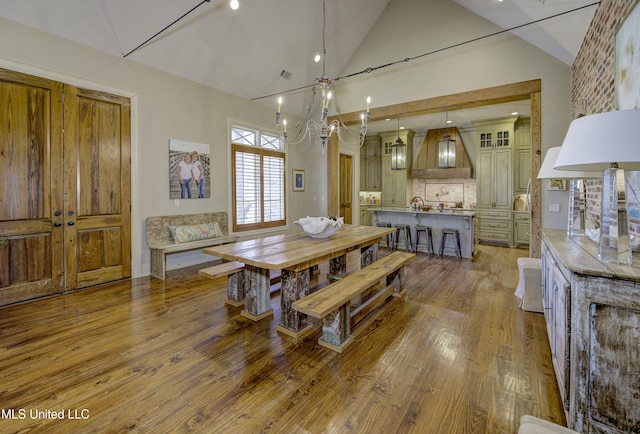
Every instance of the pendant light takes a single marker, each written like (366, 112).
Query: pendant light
(399, 153)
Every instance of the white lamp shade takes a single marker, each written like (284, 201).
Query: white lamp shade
(548, 172)
(594, 142)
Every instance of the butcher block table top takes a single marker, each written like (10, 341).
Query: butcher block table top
(298, 251)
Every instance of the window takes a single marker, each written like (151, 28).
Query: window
(258, 180)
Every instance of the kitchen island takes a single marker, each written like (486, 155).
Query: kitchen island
(461, 219)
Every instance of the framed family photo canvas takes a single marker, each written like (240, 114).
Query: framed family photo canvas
(189, 170)
(298, 180)
(628, 61)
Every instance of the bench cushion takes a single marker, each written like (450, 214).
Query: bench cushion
(187, 233)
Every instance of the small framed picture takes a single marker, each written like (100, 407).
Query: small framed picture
(298, 180)
(556, 184)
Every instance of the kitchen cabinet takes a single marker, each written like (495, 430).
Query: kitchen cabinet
(495, 178)
(493, 196)
(521, 228)
(496, 133)
(522, 155)
(556, 302)
(495, 226)
(592, 311)
(371, 164)
(365, 216)
(396, 184)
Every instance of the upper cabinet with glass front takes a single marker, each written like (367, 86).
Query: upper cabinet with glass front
(495, 133)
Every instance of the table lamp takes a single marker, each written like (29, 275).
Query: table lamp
(575, 226)
(608, 142)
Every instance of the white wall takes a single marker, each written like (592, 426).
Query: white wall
(407, 28)
(163, 107)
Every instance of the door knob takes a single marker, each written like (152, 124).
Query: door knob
(70, 223)
(57, 224)
(57, 213)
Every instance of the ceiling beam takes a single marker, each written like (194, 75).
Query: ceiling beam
(520, 91)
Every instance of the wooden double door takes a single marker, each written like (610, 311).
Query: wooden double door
(65, 209)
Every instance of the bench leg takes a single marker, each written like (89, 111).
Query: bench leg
(235, 289)
(158, 264)
(257, 293)
(336, 331)
(294, 285)
(397, 280)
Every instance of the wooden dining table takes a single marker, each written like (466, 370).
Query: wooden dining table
(294, 255)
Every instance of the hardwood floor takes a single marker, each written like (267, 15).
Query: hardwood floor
(457, 356)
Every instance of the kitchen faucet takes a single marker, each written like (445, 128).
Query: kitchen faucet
(414, 200)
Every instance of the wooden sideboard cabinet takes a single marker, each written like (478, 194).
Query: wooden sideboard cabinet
(592, 312)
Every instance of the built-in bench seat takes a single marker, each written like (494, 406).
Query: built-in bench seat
(161, 242)
(332, 303)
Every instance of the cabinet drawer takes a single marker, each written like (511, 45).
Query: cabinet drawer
(495, 225)
(494, 214)
(487, 235)
(521, 216)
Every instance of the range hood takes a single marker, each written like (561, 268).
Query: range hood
(426, 163)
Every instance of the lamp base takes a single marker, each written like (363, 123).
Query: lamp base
(614, 233)
(576, 224)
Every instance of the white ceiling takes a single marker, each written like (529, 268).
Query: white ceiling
(244, 52)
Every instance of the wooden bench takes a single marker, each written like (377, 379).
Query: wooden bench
(161, 242)
(332, 303)
(234, 271)
(235, 280)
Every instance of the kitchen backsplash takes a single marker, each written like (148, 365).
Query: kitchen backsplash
(370, 197)
(451, 192)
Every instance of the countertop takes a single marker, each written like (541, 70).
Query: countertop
(463, 212)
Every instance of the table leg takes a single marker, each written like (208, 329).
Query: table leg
(368, 255)
(257, 293)
(235, 289)
(294, 285)
(337, 268)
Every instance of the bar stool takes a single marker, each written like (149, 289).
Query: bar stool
(404, 230)
(428, 243)
(389, 237)
(456, 238)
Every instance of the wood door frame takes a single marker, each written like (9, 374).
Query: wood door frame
(354, 197)
(521, 91)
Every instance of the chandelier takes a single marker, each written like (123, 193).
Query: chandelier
(322, 129)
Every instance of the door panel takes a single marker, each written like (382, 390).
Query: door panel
(97, 176)
(346, 173)
(31, 246)
(65, 205)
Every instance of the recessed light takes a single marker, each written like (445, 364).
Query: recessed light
(317, 58)
(514, 114)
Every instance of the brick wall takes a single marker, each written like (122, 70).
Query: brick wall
(593, 75)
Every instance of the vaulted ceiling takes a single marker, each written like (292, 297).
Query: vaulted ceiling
(266, 46)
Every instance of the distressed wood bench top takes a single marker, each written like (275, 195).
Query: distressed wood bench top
(329, 298)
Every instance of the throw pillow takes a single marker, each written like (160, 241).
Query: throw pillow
(184, 234)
